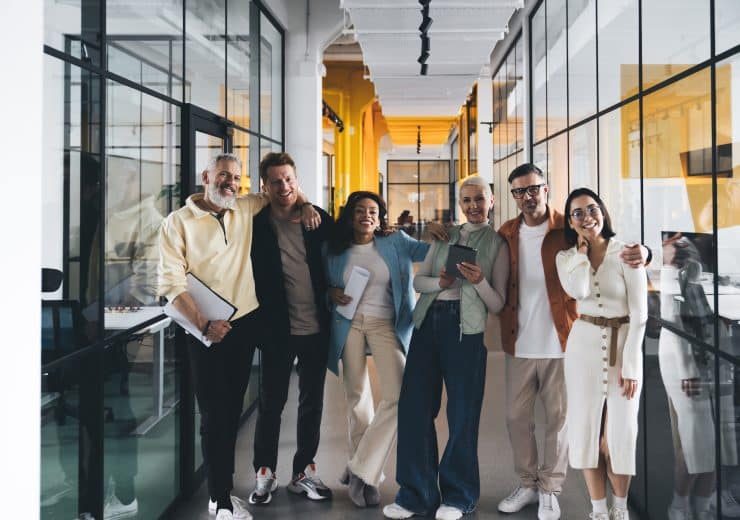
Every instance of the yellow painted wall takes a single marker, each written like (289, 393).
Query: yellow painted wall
(356, 149)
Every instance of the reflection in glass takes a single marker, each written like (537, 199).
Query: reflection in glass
(434, 203)
(687, 375)
(557, 162)
(403, 171)
(142, 434)
(271, 80)
(582, 157)
(618, 51)
(619, 169)
(728, 392)
(728, 203)
(145, 44)
(142, 187)
(727, 24)
(518, 97)
(669, 48)
(434, 171)
(581, 59)
(240, 145)
(60, 432)
(206, 55)
(403, 197)
(71, 194)
(557, 78)
(676, 127)
(238, 52)
(73, 27)
(539, 75)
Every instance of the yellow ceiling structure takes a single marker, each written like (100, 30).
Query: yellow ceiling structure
(434, 130)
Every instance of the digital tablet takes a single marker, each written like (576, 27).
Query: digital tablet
(459, 254)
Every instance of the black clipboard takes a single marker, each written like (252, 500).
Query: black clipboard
(457, 255)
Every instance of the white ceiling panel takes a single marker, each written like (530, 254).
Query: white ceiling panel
(462, 35)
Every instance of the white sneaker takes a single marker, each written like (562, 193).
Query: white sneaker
(240, 511)
(616, 513)
(680, 513)
(518, 499)
(448, 513)
(395, 511)
(212, 505)
(113, 509)
(549, 507)
(266, 484)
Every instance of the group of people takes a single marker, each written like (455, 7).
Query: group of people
(572, 301)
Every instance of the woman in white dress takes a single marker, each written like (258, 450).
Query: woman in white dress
(603, 358)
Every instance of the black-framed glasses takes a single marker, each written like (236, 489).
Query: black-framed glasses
(532, 190)
(592, 211)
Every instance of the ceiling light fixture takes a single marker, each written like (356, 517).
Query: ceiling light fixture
(426, 23)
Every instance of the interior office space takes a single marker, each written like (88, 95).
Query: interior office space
(637, 99)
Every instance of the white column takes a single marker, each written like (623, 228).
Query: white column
(21, 38)
(485, 113)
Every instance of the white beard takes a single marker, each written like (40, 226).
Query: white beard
(214, 195)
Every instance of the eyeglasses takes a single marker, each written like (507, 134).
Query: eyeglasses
(532, 191)
(592, 211)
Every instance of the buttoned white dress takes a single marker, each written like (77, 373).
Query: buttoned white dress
(612, 291)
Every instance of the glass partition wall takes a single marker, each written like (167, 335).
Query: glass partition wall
(647, 113)
(119, 422)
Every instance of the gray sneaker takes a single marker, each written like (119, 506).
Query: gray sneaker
(266, 484)
(308, 483)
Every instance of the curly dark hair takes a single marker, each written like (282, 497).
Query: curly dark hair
(571, 237)
(343, 233)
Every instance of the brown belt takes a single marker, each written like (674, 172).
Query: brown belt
(612, 323)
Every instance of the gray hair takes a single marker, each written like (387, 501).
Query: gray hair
(476, 180)
(224, 157)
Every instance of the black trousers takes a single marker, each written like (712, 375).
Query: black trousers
(220, 377)
(277, 363)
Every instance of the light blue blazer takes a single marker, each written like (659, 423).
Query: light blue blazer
(399, 251)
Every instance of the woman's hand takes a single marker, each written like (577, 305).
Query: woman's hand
(583, 244)
(337, 296)
(437, 231)
(471, 272)
(445, 280)
(217, 330)
(629, 387)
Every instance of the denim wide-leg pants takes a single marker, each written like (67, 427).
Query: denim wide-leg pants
(438, 353)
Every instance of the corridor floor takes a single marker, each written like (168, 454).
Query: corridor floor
(496, 465)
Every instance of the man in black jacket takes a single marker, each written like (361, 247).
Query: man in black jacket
(291, 289)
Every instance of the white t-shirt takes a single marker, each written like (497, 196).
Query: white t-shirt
(377, 300)
(537, 337)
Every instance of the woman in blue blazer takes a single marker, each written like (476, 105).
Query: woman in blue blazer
(382, 323)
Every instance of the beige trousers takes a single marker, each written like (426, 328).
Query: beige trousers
(525, 379)
(372, 432)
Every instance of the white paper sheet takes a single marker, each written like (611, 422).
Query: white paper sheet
(210, 304)
(356, 284)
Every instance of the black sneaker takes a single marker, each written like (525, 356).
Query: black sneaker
(266, 485)
(310, 484)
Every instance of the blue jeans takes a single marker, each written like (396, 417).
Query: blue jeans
(437, 354)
